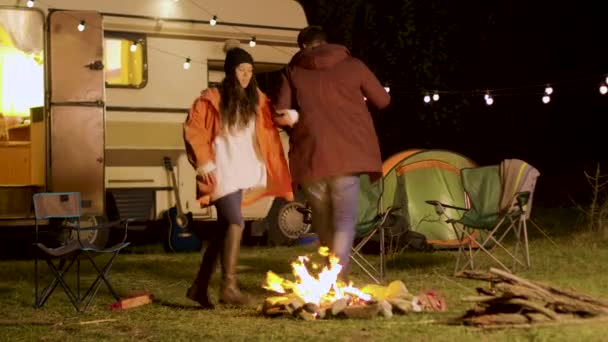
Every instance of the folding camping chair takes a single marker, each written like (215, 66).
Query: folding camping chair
(378, 227)
(500, 199)
(373, 222)
(66, 206)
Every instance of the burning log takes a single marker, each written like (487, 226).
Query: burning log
(363, 311)
(513, 300)
(321, 295)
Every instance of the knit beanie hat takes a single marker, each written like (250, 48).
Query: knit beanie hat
(234, 57)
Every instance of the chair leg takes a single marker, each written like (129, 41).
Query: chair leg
(523, 227)
(58, 280)
(36, 280)
(382, 251)
(363, 263)
(101, 277)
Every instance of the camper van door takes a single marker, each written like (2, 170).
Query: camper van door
(77, 106)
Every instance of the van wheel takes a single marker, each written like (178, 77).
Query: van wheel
(97, 238)
(285, 222)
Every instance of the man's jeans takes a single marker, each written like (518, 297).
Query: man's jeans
(335, 205)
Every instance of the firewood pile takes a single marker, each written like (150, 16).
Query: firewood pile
(385, 301)
(512, 301)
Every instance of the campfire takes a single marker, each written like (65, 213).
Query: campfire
(317, 293)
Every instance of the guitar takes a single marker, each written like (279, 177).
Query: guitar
(179, 235)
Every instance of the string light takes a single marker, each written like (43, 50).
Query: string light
(253, 42)
(489, 99)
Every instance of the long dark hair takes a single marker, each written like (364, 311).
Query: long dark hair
(238, 105)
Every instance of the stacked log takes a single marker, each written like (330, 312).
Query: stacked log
(512, 300)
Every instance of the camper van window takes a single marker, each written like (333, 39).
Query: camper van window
(125, 60)
(21, 64)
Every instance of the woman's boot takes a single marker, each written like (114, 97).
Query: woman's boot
(230, 293)
(199, 291)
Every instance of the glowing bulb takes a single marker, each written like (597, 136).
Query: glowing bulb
(486, 97)
(388, 89)
(213, 21)
(133, 47)
(187, 63)
(606, 79)
(81, 26)
(548, 90)
(603, 90)
(489, 100)
(546, 99)
(435, 97)
(30, 3)
(252, 42)
(427, 99)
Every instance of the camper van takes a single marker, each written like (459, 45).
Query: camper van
(94, 94)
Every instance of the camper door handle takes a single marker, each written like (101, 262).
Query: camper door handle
(96, 65)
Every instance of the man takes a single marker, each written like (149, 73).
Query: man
(333, 140)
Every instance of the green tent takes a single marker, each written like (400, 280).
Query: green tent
(410, 178)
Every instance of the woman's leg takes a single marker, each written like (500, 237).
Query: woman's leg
(229, 208)
(199, 291)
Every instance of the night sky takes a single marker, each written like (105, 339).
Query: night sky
(513, 48)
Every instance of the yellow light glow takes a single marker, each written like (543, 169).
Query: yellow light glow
(21, 82)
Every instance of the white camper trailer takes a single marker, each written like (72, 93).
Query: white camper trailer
(94, 94)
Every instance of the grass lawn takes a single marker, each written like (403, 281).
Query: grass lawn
(578, 261)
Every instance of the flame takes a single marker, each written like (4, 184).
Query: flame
(322, 288)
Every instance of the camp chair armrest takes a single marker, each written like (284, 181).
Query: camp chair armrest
(439, 205)
(107, 225)
(387, 213)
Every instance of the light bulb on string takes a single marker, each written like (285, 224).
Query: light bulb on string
(30, 3)
(606, 79)
(252, 42)
(548, 90)
(81, 25)
(427, 99)
(388, 89)
(489, 99)
(436, 97)
(187, 63)
(213, 21)
(133, 47)
(546, 99)
(603, 89)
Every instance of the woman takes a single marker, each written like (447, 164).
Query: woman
(235, 148)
